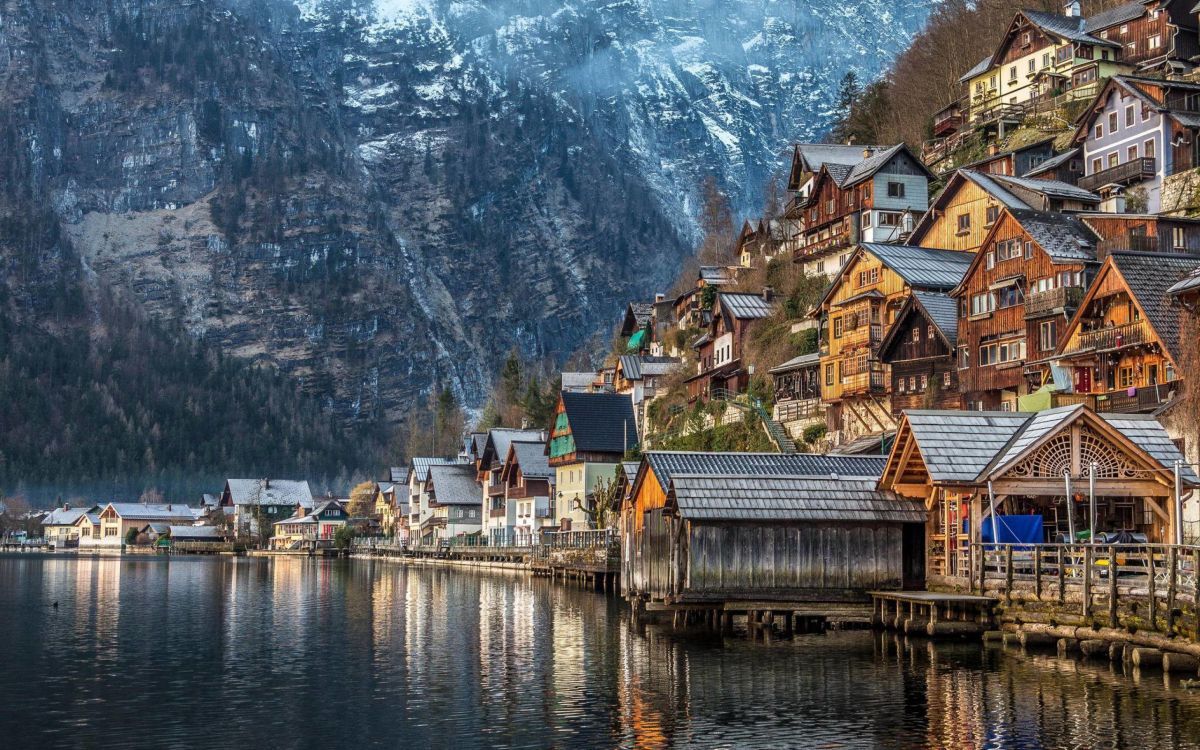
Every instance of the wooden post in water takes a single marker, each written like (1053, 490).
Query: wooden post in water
(1112, 586)
(1037, 573)
(1087, 580)
(1062, 579)
(1008, 571)
(1151, 589)
(1172, 580)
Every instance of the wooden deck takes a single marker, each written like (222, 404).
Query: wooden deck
(932, 613)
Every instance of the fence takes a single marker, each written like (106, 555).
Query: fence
(1105, 581)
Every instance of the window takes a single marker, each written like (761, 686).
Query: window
(1027, 38)
(1131, 153)
(829, 374)
(821, 267)
(912, 383)
(1178, 241)
(1009, 296)
(1028, 250)
(866, 220)
(1124, 29)
(991, 259)
(1045, 59)
(830, 207)
(1047, 335)
(1148, 149)
(983, 304)
(895, 189)
(924, 383)
(1113, 159)
(964, 357)
(916, 334)
(1097, 166)
(1125, 377)
(946, 379)
(929, 332)
(1099, 131)
(889, 218)
(1012, 74)
(964, 223)
(1112, 122)
(868, 277)
(1032, 65)
(1129, 116)
(85, 531)
(900, 385)
(987, 355)
(993, 213)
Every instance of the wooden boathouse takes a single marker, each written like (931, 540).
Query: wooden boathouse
(798, 535)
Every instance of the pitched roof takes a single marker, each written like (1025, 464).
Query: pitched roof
(982, 180)
(869, 166)
(1113, 16)
(635, 367)
(601, 422)
(573, 380)
(454, 484)
(788, 498)
(744, 306)
(956, 446)
(666, 464)
(942, 311)
(1187, 283)
(978, 68)
(817, 154)
(715, 275)
(64, 516)
(1149, 277)
(195, 532)
(795, 363)
(1052, 188)
(272, 492)
(923, 267)
(1054, 162)
(155, 511)
(1034, 428)
(641, 312)
(422, 464)
(1065, 238)
(1067, 27)
(531, 457)
(1148, 434)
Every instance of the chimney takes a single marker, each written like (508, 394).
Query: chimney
(1071, 8)
(659, 297)
(1112, 200)
(66, 506)
(524, 423)
(993, 149)
(768, 293)
(266, 483)
(866, 152)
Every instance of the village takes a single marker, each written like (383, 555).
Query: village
(946, 390)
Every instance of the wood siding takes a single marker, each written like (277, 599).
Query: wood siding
(970, 200)
(923, 375)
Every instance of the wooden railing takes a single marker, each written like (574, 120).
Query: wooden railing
(794, 411)
(1111, 338)
(1145, 398)
(1044, 303)
(1135, 170)
(1104, 581)
(1131, 243)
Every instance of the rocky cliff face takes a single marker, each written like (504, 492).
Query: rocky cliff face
(377, 196)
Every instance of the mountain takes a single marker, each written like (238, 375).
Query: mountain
(379, 197)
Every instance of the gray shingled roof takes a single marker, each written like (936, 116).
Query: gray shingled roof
(923, 267)
(1113, 16)
(817, 154)
(1067, 27)
(641, 311)
(795, 363)
(839, 172)
(1065, 238)
(421, 464)
(273, 492)
(1149, 435)
(714, 275)
(988, 183)
(869, 166)
(957, 445)
(1053, 162)
(789, 498)
(195, 532)
(636, 367)
(601, 422)
(1150, 276)
(665, 464)
(1036, 427)
(64, 517)
(454, 484)
(1187, 283)
(156, 511)
(531, 457)
(744, 306)
(572, 380)
(942, 310)
(978, 68)
(1052, 188)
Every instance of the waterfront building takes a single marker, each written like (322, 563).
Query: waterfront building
(419, 508)
(961, 464)
(528, 488)
(453, 500)
(118, 519)
(88, 527)
(256, 504)
(498, 520)
(58, 526)
(591, 434)
(315, 528)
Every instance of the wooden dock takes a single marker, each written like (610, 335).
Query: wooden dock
(932, 613)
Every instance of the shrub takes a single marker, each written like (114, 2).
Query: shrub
(814, 432)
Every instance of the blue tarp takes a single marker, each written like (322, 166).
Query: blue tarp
(1013, 530)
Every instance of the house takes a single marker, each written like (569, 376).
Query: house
(419, 509)
(118, 519)
(760, 242)
(1065, 167)
(498, 520)
(579, 382)
(1018, 160)
(453, 498)
(919, 350)
(58, 527)
(637, 326)
(88, 528)
(876, 200)
(859, 306)
(528, 490)
(257, 504)
(961, 216)
(391, 509)
(641, 377)
(807, 160)
(962, 464)
(1142, 233)
(591, 434)
(1136, 133)
(719, 367)
(691, 309)
(644, 524)
(797, 388)
(310, 529)
(1121, 350)
(1014, 302)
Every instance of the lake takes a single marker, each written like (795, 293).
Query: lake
(299, 653)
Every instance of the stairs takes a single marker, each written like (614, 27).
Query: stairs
(779, 436)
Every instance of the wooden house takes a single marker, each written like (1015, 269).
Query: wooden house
(719, 366)
(1143, 233)
(453, 499)
(797, 386)
(858, 308)
(1065, 167)
(963, 214)
(759, 242)
(642, 378)
(528, 489)
(310, 529)
(637, 326)
(1121, 349)
(1019, 160)
(961, 464)
(807, 160)
(1135, 134)
(919, 351)
(1014, 301)
(876, 200)
(691, 309)
(499, 519)
(250, 501)
(590, 436)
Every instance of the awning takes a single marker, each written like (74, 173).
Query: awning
(872, 294)
(635, 341)
(1007, 281)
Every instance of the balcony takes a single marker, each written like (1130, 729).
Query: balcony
(1129, 173)
(1111, 338)
(1145, 399)
(495, 490)
(1132, 243)
(497, 513)
(1064, 299)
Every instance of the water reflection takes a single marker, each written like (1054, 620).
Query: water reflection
(298, 653)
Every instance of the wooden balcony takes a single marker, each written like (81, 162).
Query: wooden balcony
(1129, 173)
(1145, 398)
(795, 411)
(497, 513)
(1064, 299)
(1133, 243)
(871, 334)
(1111, 338)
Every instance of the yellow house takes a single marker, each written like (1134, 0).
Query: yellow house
(859, 306)
(1042, 55)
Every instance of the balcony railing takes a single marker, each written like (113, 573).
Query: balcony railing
(1133, 243)
(1144, 399)
(1111, 338)
(1051, 301)
(497, 513)
(794, 411)
(1133, 171)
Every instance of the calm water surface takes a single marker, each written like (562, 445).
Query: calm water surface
(293, 653)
